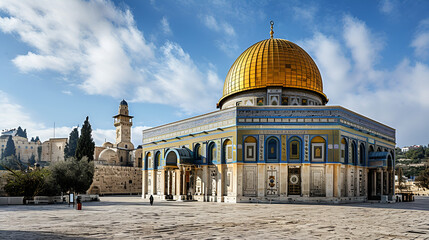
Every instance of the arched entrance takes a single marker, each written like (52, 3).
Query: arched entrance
(178, 176)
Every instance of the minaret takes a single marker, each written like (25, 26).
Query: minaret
(123, 123)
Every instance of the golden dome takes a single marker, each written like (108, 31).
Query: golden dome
(273, 63)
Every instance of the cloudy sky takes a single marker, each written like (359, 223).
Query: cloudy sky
(61, 61)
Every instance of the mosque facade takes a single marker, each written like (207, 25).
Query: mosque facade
(273, 139)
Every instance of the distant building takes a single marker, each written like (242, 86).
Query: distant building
(53, 149)
(24, 149)
(405, 149)
(118, 166)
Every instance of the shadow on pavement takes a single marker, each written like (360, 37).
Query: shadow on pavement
(8, 234)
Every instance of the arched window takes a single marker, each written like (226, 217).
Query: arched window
(272, 150)
(121, 159)
(212, 153)
(362, 154)
(294, 149)
(148, 160)
(197, 151)
(318, 149)
(227, 151)
(354, 154)
(344, 151)
(250, 149)
(157, 161)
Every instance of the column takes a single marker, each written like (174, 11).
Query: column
(162, 182)
(261, 180)
(374, 183)
(305, 180)
(178, 182)
(381, 183)
(144, 184)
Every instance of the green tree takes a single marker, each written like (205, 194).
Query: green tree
(11, 162)
(85, 144)
(39, 153)
(31, 160)
(27, 184)
(37, 139)
(10, 148)
(73, 175)
(400, 175)
(70, 148)
(21, 133)
(423, 178)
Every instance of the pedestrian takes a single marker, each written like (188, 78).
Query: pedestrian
(151, 200)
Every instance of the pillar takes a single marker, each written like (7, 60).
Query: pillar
(381, 183)
(261, 180)
(178, 182)
(305, 180)
(329, 180)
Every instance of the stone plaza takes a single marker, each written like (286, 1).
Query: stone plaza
(130, 217)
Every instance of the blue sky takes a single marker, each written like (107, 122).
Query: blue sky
(63, 60)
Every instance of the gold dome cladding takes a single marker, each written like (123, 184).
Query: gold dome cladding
(273, 63)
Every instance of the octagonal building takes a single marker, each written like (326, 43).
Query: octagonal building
(273, 139)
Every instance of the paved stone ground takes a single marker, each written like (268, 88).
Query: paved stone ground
(131, 217)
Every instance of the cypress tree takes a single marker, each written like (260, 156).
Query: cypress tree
(21, 133)
(85, 144)
(10, 148)
(71, 145)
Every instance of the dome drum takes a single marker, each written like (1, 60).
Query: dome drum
(266, 96)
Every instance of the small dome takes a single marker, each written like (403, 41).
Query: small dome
(123, 102)
(107, 145)
(273, 63)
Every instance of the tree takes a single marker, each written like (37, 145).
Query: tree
(73, 175)
(423, 178)
(10, 148)
(71, 145)
(21, 133)
(85, 144)
(27, 184)
(39, 152)
(400, 178)
(31, 160)
(37, 139)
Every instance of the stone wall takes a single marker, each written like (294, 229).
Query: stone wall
(116, 180)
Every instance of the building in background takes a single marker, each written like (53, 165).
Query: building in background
(118, 166)
(24, 149)
(53, 150)
(273, 139)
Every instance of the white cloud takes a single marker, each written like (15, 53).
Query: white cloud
(421, 40)
(99, 47)
(306, 13)
(165, 26)
(388, 6)
(227, 42)
(395, 97)
(221, 27)
(177, 78)
(67, 92)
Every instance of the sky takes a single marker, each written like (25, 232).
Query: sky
(61, 61)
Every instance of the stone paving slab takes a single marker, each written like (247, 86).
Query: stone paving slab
(125, 217)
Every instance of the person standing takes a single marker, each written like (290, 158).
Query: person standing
(151, 200)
